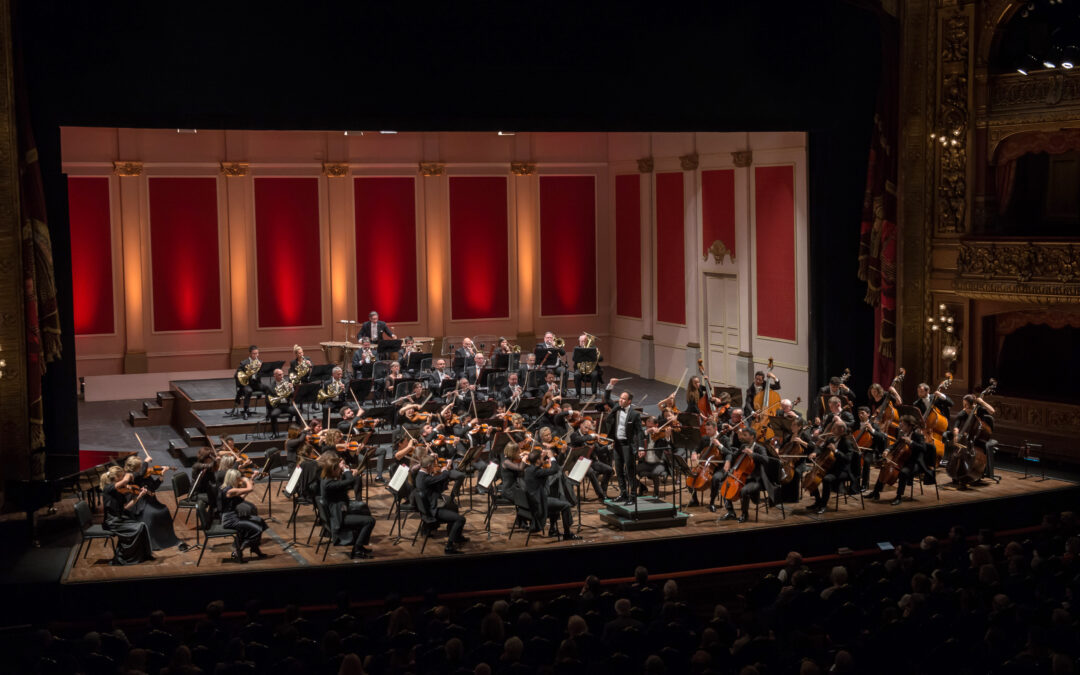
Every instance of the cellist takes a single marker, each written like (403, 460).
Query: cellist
(869, 431)
(836, 439)
(710, 443)
(985, 412)
(936, 398)
(752, 487)
(912, 435)
(758, 385)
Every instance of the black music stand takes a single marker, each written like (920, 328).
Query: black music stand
(306, 393)
(360, 388)
(534, 379)
(414, 360)
(485, 409)
(679, 466)
(459, 364)
(387, 347)
(568, 465)
(546, 357)
(501, 361)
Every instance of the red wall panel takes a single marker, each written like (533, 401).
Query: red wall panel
(91, 255)
(286, 224)
(567, 245)
(774, 208)
(479, 269)
(386, 265)
(670, 249)
(184, 254)
(628, 245)
(718, 209)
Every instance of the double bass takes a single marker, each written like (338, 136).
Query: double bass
(764, 401)
(934, 423)
(886, 416)
(704, 403)
(968, 461)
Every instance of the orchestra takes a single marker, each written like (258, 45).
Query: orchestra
(465, 410)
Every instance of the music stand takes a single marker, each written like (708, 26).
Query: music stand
(387, 347)
(459, 364)
(548, 356)
(485, 409)
(465, 465)
(534, 379)
(780, 425)
(414, 361)
(360, 388)
(306, 393)
(501, 361)
(678, 463)
(568, 467)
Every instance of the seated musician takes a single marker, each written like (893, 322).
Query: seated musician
(837, 412)
(464, 395)
(512, 392)
(755, 481)
(835, 387)
(132, 536)
(430, 482)
(330, 441)
(600, 471)
(787, 410)
(375, 331)
(551, 386)
(363, 360)
(228, 447)
(390, 381)
(555, 355)
(594, 378)
(282, 390)
(912, 435)
(333, 393)
(544, 506)
(296, 438)
(476, 373)
(439, 378)
(204, 484)
(878, 441)
(349, 418)
(729, 431)
(463, 355)
(556, 416)
(695, 390)
(985, 415)
(237, 514)
(156, 516)
(878, 395)
(408, 346)
(651, 464)
(300, 366)
(759, 385)
(710, 439)
(335, 481)
(249, 370)
(835, 438)
(511, 467)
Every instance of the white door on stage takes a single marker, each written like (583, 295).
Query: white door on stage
(722, 327)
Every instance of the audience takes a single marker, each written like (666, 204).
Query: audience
(950, 606)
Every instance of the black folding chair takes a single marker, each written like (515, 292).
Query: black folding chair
(428, 523)
(523, 511)
(211, 529)
(323, 511)
(181, 487)
(89, 530)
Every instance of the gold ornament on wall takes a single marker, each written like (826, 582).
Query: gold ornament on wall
(689, 162)
(645, 165)
(742, 158)
(335, 170)
(719, 251)
(235, 169)
(127, 169)
(522, 168)
(432, 169)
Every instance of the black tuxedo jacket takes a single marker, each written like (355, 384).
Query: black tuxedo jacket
(365, 331)
(633, 422)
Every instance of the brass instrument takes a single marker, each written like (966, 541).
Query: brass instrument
(560, 343)
(332, 390)
(282, 391)
(589, 366)
(249, 371)
(303, 367)
(516, 349)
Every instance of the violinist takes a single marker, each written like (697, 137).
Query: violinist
(555, 416)
(296, 438)
(913, 437)
(837, 412)
(330, 441)
(363, 360)
(237, 514)
(729, 436)
(335, 480)
(228, 447)
(600, 471)
(543, 506)
(282, 390)
(623, 426)
(225, 464)
(437, 446)
(756, 480)
(651, 463)
(758, 385)
(132, 535)
(834, 439)
(511, 468)
(349, 418)
(204, 481)
(712, 443)
(835, 387)
(430, 482)
(149, 510)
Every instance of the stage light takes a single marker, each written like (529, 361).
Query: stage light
(1021, 71)
(354, 133)
(1049, 64)
(187, 131)
(387, 132)
(507, 133)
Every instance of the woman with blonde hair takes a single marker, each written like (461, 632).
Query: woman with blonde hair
(132, 537)
(236, 514)
(149, 510)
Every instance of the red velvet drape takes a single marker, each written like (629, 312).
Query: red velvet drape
(567, 245)
(718, 209)
(670, 249)
(479, 255)
(91, 255)
(386, 265)
(774, 222)
(628, 245)
(286, 224)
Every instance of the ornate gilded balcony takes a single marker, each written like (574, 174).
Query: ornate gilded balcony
(1039, 272)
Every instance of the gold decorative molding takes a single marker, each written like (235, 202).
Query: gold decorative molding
(719, 251)
(128, 169)
(953, 124)
(645, 165)
(522, 168)
(689, 162)
(335, 170)
(235, 169)
(1030, 272)
(432, 169)
(742, 158)
(1024, 414)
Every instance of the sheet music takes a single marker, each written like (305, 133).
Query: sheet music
(581, 467)
(294, 481)
(489, 475)
(399, 477)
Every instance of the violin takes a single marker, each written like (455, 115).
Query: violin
(158, 470)
(482, 429)
(414, 415)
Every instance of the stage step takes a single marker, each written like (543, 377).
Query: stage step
(651, 514)
(137, 418)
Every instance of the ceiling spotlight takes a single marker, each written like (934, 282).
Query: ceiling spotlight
(1049, 64)
(354, 133)
(387, 132)
(507, 133)
(187, 131)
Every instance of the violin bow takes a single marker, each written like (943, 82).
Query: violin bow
(145, 451)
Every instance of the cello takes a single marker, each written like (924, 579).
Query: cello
(704, 403)
(765, 400)
(968, 461)
(741, 470)
(894, 459)
(826, 457)
(934, 423)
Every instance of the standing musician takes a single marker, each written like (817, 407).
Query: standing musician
(758, 385)
(247, 381)
(912, 435)
(927, 397)
(985, 414)
(623, 425)
(300, 366)
(600, 471)
(651, 463)
(756, 480)
(694, 391)
(835, 387)
(363, 360)
(335, 480)
(374, 330)
(592, 379)
(836, 439)
(542, 505)
(878, 396)
(279, 401)
(430, 482)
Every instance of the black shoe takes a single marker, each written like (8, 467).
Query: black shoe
(462, 540)
(693, 501)
(874, 495)
(712, 507)
(820, 509)
(247, 414)
(259, 554)
(897, 501)
(630, 500)
(743, 518)
(569, 536)
(379, 479)
(183, 547)
(451, 550)
(238, 555)
(730, 515)
(361, 554)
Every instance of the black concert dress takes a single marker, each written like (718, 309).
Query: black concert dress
(156, 515)
(133, 539)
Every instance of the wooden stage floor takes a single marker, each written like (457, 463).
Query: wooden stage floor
(95, 566)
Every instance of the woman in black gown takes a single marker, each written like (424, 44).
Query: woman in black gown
(238, 515)
(133, 539)
(149, 510)
(335, 481)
